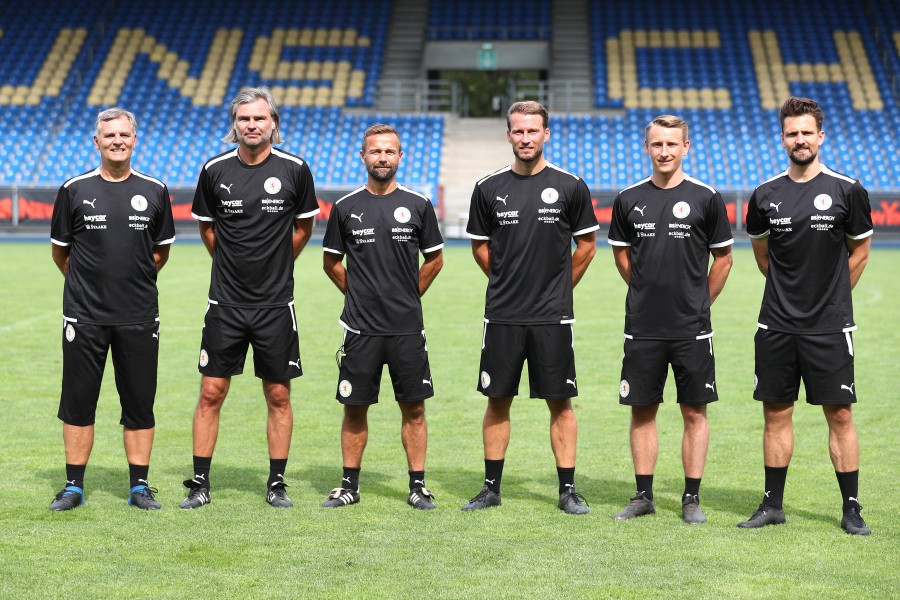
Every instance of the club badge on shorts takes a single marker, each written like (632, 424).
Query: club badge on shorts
(204, 358)
(345, 388)
(624, 388)
(485, 379)
(70, 332)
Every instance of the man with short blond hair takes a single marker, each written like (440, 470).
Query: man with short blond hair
(663, 230)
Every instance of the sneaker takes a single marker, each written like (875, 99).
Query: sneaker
(639, 505)
(277, 496)
(197, 496)
(485, 499)
(853, 522)
(421, 498)
(764, 515)
(572, 502)
(341, 497)
(68, 498)
(142, 497)
(691, 513)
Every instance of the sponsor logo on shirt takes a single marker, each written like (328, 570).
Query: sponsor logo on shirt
(272, 205)
(508, 217)
(272, 185)
(91, 202)
(139, 203)
(234, 207)
(363, 236)
(138, 222)
(645, 229)
(95, 221)
(227, 188)
(402, 234)
(503, 199)
(549, 215)
(679, 230)
(780, 224)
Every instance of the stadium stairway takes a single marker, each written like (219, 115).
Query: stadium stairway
(402, 55)
(570, 66)
(473, 148)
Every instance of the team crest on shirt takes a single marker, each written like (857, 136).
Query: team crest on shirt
(204, 358)
(139, 203)
(485, 379)
(624, 388)
(681, 210)
(272, 185)
(402, 214)
(549, 195)
(822, 202)
(70, 332)
(345, 388)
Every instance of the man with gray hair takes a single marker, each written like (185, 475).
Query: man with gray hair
(111, 232)
(255, 205)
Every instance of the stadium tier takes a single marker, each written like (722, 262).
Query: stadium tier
(496, 20)
(725, 67)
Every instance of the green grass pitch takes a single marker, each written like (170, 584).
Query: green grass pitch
(238, 546)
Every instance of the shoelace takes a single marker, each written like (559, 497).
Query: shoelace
(481, 495)
(195, 491)
(579, 499)
(856, 518)
(148, 491)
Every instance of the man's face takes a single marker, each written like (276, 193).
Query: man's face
(527, 135)
(382, 156)
(115, 141)
(667, 148)
(801, 138)
(253, 124)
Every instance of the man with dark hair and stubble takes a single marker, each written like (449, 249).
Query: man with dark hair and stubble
(381, 228)
(111, 231)
(811, 229)
(663, 231)
(522, 221)
(255, 206)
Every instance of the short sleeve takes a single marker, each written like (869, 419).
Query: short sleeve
(431, 238)
(333, 241)
(478, 227)
(621, 233)
(718, 230)
(757, 223)
(307, 203)
(859, 216)
(164, 232)
(581, 210)
(61, 223)
(204, 205)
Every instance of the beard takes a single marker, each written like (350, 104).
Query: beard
(538, 152)
(382, 174)
(802, 162)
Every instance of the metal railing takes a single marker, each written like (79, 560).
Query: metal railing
(419, 95)
(561, 95)
(454, 34)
